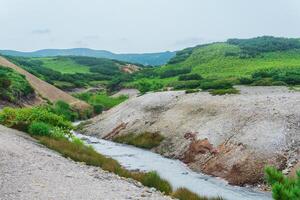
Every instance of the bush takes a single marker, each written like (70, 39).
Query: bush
(152, 179)
(185, 194)
(63, 109)
(189, 91)
(283, 187)
(189, 77)
(192, 84)
(174, 72)
(23, 117)
(246, 81)
(145, 140)
(224, 91)
(40, 129)
(215, 84)
(263, 82)
(98, 108)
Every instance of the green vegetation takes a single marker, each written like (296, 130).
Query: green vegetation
(39, 128)
(187, 77)
(230, 62)
(224, 91)
(101, 99)
(64, 65)
(13, 86)
(185, 194)
(283, 187)
(145, 140)
(190, 91)
(72, 72)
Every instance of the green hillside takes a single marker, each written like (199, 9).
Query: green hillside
(262, 61)
(67, 72)
(13, 86)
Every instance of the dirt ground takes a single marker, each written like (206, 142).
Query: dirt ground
(231, 136)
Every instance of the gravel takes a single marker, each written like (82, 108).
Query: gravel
(30, 171)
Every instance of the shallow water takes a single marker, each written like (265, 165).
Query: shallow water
(177, 173)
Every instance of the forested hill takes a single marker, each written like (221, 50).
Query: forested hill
(153, 59)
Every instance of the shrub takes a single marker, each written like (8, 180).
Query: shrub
(224, 91)
(174, 72)
(185, 194)
(189, 77)
(64, 109)
(39, 128)
(283, 187)
(192, 84)
(23, 117)
(189, 91)
(246, 81)
(152, 179)
(215, 84)
(145, 140)
(263, 82)
(98, 108)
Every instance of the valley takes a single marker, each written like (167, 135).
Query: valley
(230, 111)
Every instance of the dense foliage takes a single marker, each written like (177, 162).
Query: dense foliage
(13, 86)
(283, 187)
(101, 101)
(255, 46)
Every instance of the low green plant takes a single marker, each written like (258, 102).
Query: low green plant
(215, 84)
(98, 108)
(189, 91)
(283, 187)
(152, 179)
(191, 84)
(64, 109)
(21, 118)
(186, 77)
(224, 91)
(185, 194)
(39, 128)
(144, 140)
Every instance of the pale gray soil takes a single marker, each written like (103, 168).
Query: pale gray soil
(233, 136)
(31, 171)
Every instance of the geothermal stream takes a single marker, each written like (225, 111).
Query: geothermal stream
(176, 172)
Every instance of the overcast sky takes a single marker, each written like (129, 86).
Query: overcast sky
(141, 25)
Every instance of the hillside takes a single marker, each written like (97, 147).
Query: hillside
(264, 60)
(43, 88)
(232, 136)
(70, 72)
(144, 59)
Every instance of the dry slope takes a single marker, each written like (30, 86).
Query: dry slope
(232, 136)
(31, 171)
(45, 89)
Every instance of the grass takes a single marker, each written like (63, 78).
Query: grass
(101, 98)
(211, 61)
(185, 194)
(64, 65)
(224, 91)
(145, 140)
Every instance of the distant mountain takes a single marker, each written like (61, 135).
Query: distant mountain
(145, 59)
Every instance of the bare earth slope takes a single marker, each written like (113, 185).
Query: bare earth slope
(31, 171)
(45, 89)
(232, 136)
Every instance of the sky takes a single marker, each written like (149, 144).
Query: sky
(140, 26)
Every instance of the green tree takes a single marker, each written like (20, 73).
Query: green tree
(283, 188)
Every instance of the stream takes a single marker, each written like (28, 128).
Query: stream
(176, 172)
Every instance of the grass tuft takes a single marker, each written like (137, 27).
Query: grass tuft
(185, 194)
(145, 140)
(224, 91)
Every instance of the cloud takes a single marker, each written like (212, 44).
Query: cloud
(41, 31)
